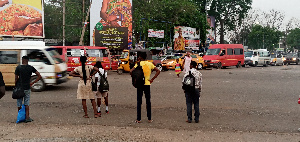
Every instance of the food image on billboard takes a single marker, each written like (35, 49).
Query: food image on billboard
(111, 24)
(21, 18)
(186, 38)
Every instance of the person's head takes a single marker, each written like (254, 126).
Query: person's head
(209, 21)
(193, 64)
(180, 32)
(177, 60)
(25, 59)
(98, 64)
(142, 56)
(188, 54)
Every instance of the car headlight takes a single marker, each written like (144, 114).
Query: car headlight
(283, 59)
(214, 60)
(294, 59)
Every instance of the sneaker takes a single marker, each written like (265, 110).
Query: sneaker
(28, 120)
(106, 111)
(196, 121)
(188, 121)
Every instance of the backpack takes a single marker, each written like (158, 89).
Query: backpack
(188, 83)
(104, 86)
(138, 78)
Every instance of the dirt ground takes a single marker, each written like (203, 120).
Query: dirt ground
(236, 105)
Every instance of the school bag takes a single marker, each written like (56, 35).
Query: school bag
(138, 78)
(188, 83)
(104, 86)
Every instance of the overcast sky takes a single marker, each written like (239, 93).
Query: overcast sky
(291, 8)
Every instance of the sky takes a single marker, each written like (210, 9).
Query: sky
(289, 7)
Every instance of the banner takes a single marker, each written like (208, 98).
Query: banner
(22, 18)
(183, 35)
(211, 31)
(157, 34)
(192, 44)
(111, 24)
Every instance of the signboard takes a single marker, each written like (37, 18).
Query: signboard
(157, 34)
(183, 35)
(192, 44)
(111, 24)
(211, 31)
(22, 18)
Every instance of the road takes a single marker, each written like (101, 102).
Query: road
(245, 104)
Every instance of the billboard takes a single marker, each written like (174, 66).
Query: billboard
(211, 31)
(22, 18)
(111, 24)
(157, 34)
(186, 38)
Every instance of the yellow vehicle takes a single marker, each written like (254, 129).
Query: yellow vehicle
(170, 63)
(128, 59)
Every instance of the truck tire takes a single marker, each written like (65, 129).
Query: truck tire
(219, 65)
(38, 86)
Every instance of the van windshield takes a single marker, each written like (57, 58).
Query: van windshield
(55, 56)
(213, 51)
(248, 54)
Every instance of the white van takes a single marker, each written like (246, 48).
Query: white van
(43, 58)
(261, 57)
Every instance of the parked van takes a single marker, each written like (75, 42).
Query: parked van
(261, 57)
(43, 58)
(276, 59)
(224, 55)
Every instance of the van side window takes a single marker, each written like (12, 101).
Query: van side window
(8, 57)
(37, 56)
(223, 52)
(229, 51)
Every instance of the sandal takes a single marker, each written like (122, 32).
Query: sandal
(150, 121)
(85, 116)
(28, 120)
(136, 121)
(96, 116)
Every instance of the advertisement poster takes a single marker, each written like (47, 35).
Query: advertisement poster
(157, 34)
(22, 18)
(185, 35)
(111, 24)
(211, 32)
(192, 44)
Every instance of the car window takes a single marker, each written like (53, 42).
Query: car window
(193, 56)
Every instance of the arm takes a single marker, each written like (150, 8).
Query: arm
(72, 73)
(2, 86)
(16, 79)
(37, 79)
(96, 70)
(132, 70)
(156, 74)
(103, 14)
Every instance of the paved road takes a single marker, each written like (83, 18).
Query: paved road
(247, 104)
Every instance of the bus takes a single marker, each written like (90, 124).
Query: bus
(71, 54)
(224, 55)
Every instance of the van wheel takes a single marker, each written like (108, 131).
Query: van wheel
(200, 66)
(256, 63)
(159, 67)
(219, 65)
(238, 65)
(38, 86)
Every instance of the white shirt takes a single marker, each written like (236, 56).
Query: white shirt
(97, 75)
(198, 78)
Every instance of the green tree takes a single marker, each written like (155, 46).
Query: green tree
(229, 13)
(263, 37)
(293, 39)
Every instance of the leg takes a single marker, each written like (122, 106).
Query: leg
(148, 101)
(188, 106)
(94, 107)
(139, 103)
(27, 112)
(84, 108)
(98, 96)
(196, 105)
(106, 102)
(26, 103)
(19, 103)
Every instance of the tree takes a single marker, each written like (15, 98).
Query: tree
(293, 39)
(229, 14)
(264, 37)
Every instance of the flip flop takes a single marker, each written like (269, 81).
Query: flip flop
(136, 121)
(85, 116)
(150, 121)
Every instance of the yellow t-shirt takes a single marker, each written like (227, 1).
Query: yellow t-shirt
(147, 68)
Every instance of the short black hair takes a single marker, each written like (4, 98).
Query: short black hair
(194, 64)
(25, 58)
(98, 64)
(142, 55)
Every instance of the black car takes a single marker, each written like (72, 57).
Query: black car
(292, 58)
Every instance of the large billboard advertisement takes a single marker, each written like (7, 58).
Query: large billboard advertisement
(111, 24)
(22, 18)
(186, 38)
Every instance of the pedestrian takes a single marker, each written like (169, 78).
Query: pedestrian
(147, 67)
(193, 95)
(2, 86)
(23, 74)
(187, 62)
(177, 68)
(100, 94)
(84, 90)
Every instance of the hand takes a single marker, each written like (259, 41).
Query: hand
(31, 83)
(114, 24)
(151, 80)
(112, 18)
(80, 76)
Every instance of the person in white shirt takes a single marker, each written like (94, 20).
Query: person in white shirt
(101, 94)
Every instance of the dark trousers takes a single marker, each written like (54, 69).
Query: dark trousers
(192, 98)
(145, 89)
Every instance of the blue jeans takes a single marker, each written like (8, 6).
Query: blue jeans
(145, 89)
(192, 98)
(26, 99)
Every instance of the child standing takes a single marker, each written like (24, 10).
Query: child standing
(177, 68)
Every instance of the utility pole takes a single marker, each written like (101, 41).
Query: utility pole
(64, 22)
